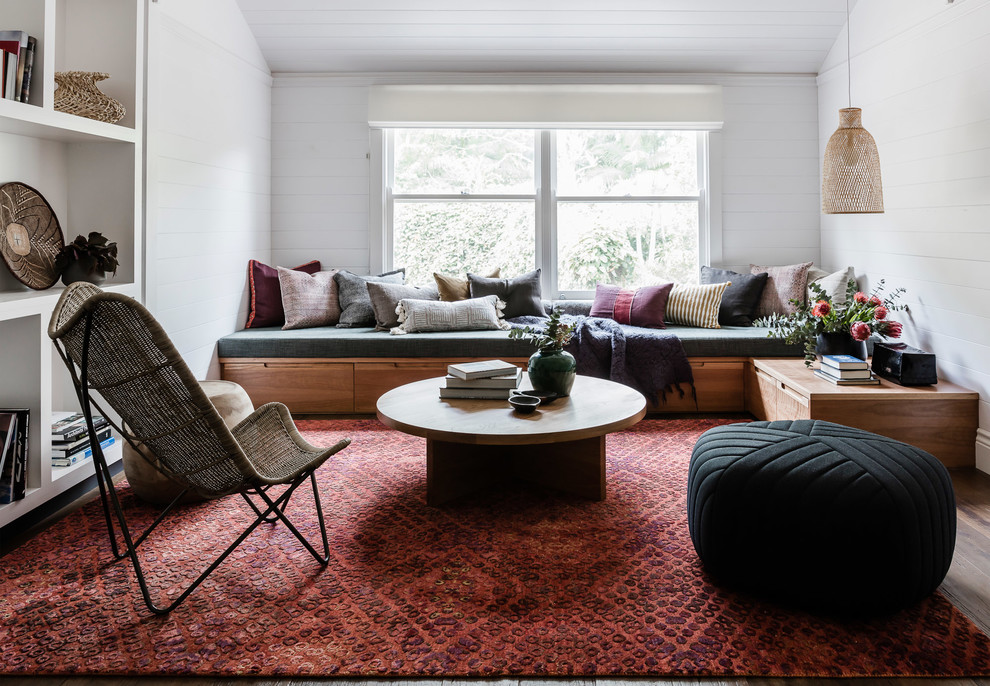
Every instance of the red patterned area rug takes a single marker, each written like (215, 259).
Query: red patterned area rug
(517, 581)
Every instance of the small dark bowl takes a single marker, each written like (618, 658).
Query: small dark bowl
(524, 404)
(546, 397)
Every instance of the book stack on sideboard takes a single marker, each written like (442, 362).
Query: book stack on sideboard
(846, 370)
(486, 379)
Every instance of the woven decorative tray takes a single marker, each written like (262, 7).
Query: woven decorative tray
(30, 235)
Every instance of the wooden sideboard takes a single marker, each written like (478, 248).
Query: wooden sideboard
(941, 419)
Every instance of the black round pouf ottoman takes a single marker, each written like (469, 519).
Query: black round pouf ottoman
(820, 515)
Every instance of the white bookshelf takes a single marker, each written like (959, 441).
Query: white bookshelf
(91, 173)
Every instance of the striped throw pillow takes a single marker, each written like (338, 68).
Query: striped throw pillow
(692, 305)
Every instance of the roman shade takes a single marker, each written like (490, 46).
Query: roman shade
(653, 106)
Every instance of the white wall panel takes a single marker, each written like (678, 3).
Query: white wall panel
(209, 172)
(320, 172)
(919, 74)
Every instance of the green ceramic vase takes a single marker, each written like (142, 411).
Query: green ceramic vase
(552, 371)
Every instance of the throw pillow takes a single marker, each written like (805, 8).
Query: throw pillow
(833, 284)
(306, 298)
(692, 305)
(355, 303)
(459, 315)
(644, 306)
(521, 295)
(455, 288)
(741, 298)
(265, 294)
(784, 284)
(385, 299)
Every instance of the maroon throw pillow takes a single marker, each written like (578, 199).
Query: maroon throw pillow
(643, 306)
(265, 303)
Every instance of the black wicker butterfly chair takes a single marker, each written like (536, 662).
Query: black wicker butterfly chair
(114, 347)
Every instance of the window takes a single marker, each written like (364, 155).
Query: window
(624, 207)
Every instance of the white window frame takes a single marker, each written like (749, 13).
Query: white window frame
(546, 202)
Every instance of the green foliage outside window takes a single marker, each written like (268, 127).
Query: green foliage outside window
(623, 243)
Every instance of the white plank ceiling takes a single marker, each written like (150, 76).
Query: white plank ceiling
(743, 36)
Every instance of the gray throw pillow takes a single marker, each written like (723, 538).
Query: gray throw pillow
(385, 299)
(355, 303)
(521, 295)
(741, 298)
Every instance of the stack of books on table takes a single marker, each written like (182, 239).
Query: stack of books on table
(70, 438)
(846, 370)
(492, 379)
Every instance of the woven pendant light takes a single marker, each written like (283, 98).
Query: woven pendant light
(851, 181)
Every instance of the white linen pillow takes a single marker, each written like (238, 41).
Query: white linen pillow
(416, 316)
(833, 284)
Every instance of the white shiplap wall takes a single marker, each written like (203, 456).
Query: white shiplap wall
(919, 74)
(320, 170)
(209, 172)
(770, 194)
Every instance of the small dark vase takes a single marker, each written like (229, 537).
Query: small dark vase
(839, 343)
(552, 371)
(75, 272)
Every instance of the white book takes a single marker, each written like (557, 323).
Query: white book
(81, 455)
(67, 449)
(482, 369)
(846, 373)
(507, 381)
(479, 393)
(872, 381)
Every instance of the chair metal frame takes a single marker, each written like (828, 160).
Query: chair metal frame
(271, 509)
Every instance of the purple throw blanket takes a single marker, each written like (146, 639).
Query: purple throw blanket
(650, 360)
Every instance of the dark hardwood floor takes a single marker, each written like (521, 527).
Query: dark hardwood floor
(967, 585)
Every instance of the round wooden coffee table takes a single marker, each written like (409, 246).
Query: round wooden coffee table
(472, 443)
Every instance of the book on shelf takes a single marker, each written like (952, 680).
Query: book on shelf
(67, 449)
(864, 373)
(14, 433)
(81, 455)
(482, 369)
(477, 393)
(8, 437)
(14, 45)
(70, 426)
(506, 381)
(844, 362)
(28, 60)
(872, 381)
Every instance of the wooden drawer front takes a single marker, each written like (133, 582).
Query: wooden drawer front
(770, 399)
(302, 387)
(790, 404)
(719, 387)
(372, 379)
(766, 390)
